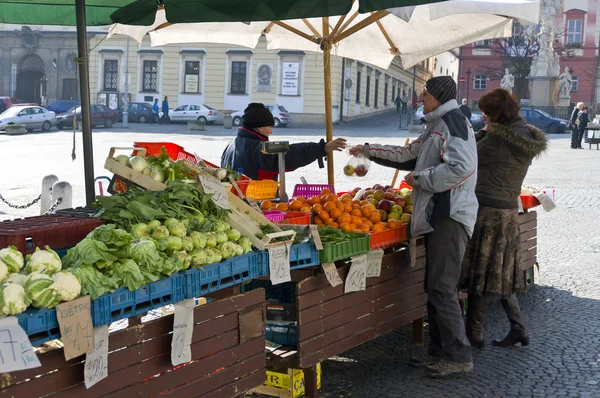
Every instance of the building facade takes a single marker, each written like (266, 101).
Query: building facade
(482, 64)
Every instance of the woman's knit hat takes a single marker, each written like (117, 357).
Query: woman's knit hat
(443, 88)
(257, 115)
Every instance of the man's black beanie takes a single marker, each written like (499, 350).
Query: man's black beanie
(443, 88)
(257, 115)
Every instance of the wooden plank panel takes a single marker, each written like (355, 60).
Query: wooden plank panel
(529, 254)
(525, 217)
(368, 321)
(239, 387)
(312, 358)
(528, 244)
(350, 300)
(528, 225)
(531, 234)
(526, 264)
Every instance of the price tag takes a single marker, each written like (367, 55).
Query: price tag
(314, 230)
(254, 205)
(183, 327)
(76, 329)
(547, 203)
(357, 276)
(214, 187)
(96, 361)
(279, 263)
(331, 273)
(16, 352)
(374, 258)
(520, 203)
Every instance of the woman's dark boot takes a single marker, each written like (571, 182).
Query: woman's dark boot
(475, 312)
(518, 333)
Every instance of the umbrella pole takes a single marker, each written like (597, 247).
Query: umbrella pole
(84, 84)
(326, 46)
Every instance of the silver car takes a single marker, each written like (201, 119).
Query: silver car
(32, 117)
(186, 113)
(281, 116)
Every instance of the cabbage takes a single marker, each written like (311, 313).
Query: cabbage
(13, 299)
(233, 235)
(188, 243)
(214, 254)
(246, 245)
(13, 258)
(67, 285)
(211, 240)
(46, 261)
(140, 231)
(138, 163)
(39, 289)
(19, 279)
(170, 244)
(130, 274)
(160, 232)
(94, 282)
(227, 249)
(199, 240)
(221, 237)
(145, 253)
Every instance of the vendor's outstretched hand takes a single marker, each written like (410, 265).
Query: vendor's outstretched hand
(356, 150)
(336, 145)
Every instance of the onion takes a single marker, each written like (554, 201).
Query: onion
(138, 163)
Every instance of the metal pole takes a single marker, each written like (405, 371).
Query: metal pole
(326, 46)
(282, 193)
(88, 158)
(126, 107)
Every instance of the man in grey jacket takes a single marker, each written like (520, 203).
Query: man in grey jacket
(444, 164)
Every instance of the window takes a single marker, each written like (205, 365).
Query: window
(575, 85)
(111, 75)
(191, 83)
(358, 83)
(517, 29)
(480, 82)
(181, 108)
(574, 28)
(376, 92)
(385, 94)
(482, 43)
(150, 77)
(441, 69)
(238, 77)
(368, 94)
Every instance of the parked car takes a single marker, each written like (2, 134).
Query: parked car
(61, 106)
(32, 117)
(101, 116)
(544, 121)
(418, 115)
(186, 113)
(281, 116)
(137, 112)
(7, 102)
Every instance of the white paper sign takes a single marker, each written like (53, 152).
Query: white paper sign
(279, 263)
(547, 203)
(16, 352)
(357, 276)
(289, 79)
(331, 273)
(214, 187)
(520, 204)
(314, 231)
(183, 327)
(96, 361)
(374, 258)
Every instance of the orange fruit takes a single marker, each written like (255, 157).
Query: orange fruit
(356, 212)
(326, 191)
(305, 209)
(329, 221)
(282, 206)
(317, 220)
(340, 206)
(371, 205)
(346, 196)
(329, 206)
(324, 215)
(314, 200)
(375, 217)
(356, 206)
(369, 223)
(393, 224)
(364, 202)
(353, 227)
(317, 207)
(334, 225)
(332, 198)
(295, 205)
(345, 219)
(378, 227)
(345, 227)
(301, 199)
(364, 228)
(265, 205)
(356, 220)
(366, 210)
(346, 201)
(347, 208)
(273, 207)
(335, 214)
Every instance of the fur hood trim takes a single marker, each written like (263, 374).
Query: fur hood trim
(521, 136)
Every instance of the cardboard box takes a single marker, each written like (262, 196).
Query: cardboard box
(286, 383)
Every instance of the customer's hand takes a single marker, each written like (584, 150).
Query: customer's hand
(410, 178)
(356, 150)
(335, 145)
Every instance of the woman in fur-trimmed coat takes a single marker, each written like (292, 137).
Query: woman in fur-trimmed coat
(492, 262)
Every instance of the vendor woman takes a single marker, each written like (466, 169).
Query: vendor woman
(244, 152)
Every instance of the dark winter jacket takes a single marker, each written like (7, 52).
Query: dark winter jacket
(574, 115)
(245, 152)
(466, 111)
(505, 154)
(584, 119)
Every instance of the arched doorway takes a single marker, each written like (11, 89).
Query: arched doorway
(30, 80)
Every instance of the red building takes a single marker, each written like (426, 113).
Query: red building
(482, 64)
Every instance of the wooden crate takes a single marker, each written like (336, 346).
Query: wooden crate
(528, 230)
(331, 322)
(111, 164)
(228, 346)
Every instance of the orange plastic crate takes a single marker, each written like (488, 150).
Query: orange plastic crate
(388, 237)
(297, 218)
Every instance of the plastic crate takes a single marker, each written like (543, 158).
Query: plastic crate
(308, 190)
(174, 151)
(529, 201)
(339, 251)
(213, 277)
(257, 190)
(281, 334)
(296, 218)
(124, 303)
(274, 215)
(302, 255)
(41, 325)
(55, 231)
(388, 237)
(86, 212)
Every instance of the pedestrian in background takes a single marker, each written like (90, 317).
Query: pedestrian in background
(583, 120)
(464, 108)
(444, 160)
(155, 116)
(404, 102)
(492, 263)
(398, 102)
(573, 124)
(165, 109)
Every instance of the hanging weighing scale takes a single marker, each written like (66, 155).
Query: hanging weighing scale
(279, 148)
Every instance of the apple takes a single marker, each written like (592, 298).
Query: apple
(393, 216)
(383, 214)
(400, 202)
(385, 205)
(388, 187)
(369, 192)
(355, 191)
(349, 170)
(397, 209)
(378, 195)
(405, 218)
(404, 191)
(389, 196)
(408, 199)
(408, 209)
(374, 202)
(361, 170)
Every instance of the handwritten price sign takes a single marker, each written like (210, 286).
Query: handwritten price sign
(374, 258)
(183, 327)
(279, 263)
(96, 361)
(357, 276)
(76, 329)
(214, 187)
(331, 273)
(16, 352)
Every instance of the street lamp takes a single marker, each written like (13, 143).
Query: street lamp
(468, 82)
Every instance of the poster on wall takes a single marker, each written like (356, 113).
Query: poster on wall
(101, 98)
(290, 78)
(113, 100)
(191, 83)
(264, 74)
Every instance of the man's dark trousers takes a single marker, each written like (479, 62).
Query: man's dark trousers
(445, 248)
(574, 137)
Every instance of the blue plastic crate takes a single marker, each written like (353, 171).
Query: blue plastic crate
(124, 303)
(302, 255)
(281, 334)
(217, 276)
(41, 325)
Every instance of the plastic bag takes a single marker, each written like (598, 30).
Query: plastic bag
(357, 166)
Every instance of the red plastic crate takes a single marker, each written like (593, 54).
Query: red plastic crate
(388, 237)
(58, 232)
(529, 202)
(308, 190)
(175, 151)
(297, 218)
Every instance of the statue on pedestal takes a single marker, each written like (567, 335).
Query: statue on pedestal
(508, 81)
(565, 81)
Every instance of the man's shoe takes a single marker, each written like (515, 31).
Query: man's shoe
(423, 360)
(444, 368)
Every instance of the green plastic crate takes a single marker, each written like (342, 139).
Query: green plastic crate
(339, 251)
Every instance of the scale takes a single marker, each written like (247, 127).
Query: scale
(279, 148)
